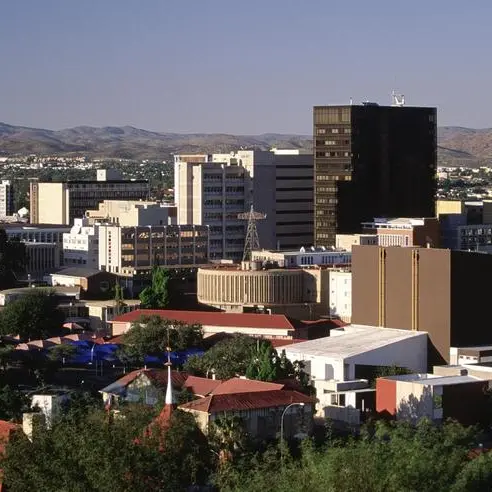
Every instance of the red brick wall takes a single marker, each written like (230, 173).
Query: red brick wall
(386, 396)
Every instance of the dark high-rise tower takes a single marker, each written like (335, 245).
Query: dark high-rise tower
(372, 161)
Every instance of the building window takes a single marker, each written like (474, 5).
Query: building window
(321, 131)
(334, 130)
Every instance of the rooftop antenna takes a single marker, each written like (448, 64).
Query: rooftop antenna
(397, 100)
(252, 241)
(351, 101)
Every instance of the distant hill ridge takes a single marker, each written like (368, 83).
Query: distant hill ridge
(457, 145)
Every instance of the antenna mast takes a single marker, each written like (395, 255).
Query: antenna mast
(252, 241)
(398, 100)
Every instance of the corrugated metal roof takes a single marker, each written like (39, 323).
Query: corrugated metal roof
(247, 401)
(243, 320)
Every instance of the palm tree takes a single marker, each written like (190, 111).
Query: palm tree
(228, 436)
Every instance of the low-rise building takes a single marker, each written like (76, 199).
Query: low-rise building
(342, 365)
(50, 403)
(263, 413)
(102, 312)
(415, 396)
(269, 326)
(341, 294)
(93, 283)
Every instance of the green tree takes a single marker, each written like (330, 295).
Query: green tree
(13, 403)
(226, 359)
(33, 316)
(92, 452)
(264, 363)
(157, 295)
(152, 335)
(13, 259)
(62, 352)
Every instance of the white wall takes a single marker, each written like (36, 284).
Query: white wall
(341, 295)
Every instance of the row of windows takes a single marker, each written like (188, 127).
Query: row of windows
(332, 154)
(324, 131)
(332, 142)
(326, 200)
(332, 177)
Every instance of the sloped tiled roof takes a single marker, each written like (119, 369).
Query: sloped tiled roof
(246, 401)
(201, 386)
(157, 376)
(244, 320)
(240, 385)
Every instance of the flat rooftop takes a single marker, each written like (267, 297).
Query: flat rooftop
(434, 380)
(352, 340)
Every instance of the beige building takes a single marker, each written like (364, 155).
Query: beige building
(127, 250)
(102, 312)
(346, 241)
(300, 293)
(133, 213)
(278, 183)
(62, 202)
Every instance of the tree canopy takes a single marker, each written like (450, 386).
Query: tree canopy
(92, 452)
(246, 356)
(33, 316)
(158, 294)
(149, 335)
(13, 259)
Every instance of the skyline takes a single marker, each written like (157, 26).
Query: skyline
(187, 67)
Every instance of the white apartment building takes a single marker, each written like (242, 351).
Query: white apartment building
(81, 245)
(341, 294)
(6, 198)
(304, 257)
(214, 189)
(62, 202)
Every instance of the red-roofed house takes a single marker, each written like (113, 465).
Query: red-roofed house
(271, 326)
(148, 385)
(260, 411)
(201, 387)
(7, 429)
(242, 385)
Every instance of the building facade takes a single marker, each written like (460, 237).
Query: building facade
(42, 258)
(372, 161)
(81, 245)
(341, 294)
(304, 257)
(133, 213)
(278, 183)
(62, 202)
(346, 241)
(405, 231)
(127, 250)
(432, 290)
(6, 198)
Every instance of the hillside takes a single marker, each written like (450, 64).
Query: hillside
(130, 142)
(457, 146)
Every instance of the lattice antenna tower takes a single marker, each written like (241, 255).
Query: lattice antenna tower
(252, 241)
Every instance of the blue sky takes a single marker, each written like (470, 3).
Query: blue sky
(235, 66)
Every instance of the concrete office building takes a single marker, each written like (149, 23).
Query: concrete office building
(6, 198)
(372, 161)
(128, 250)
(304, 257)
(133, 213)
(278, 183)
(81, 245)
(42, 258)
(62, 202)
(442, 292)
(303, 293)
(404, 231)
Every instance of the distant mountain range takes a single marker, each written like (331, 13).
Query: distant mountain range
(457, 146)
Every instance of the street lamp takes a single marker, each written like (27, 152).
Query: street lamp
(282, 429)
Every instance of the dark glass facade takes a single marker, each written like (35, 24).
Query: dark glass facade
(372, 161)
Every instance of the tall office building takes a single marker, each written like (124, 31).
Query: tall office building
(424, 289)
(62, 202)
(372, 161)
(6, 198)
(213, 189)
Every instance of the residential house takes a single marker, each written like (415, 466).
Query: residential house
(94, 284)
